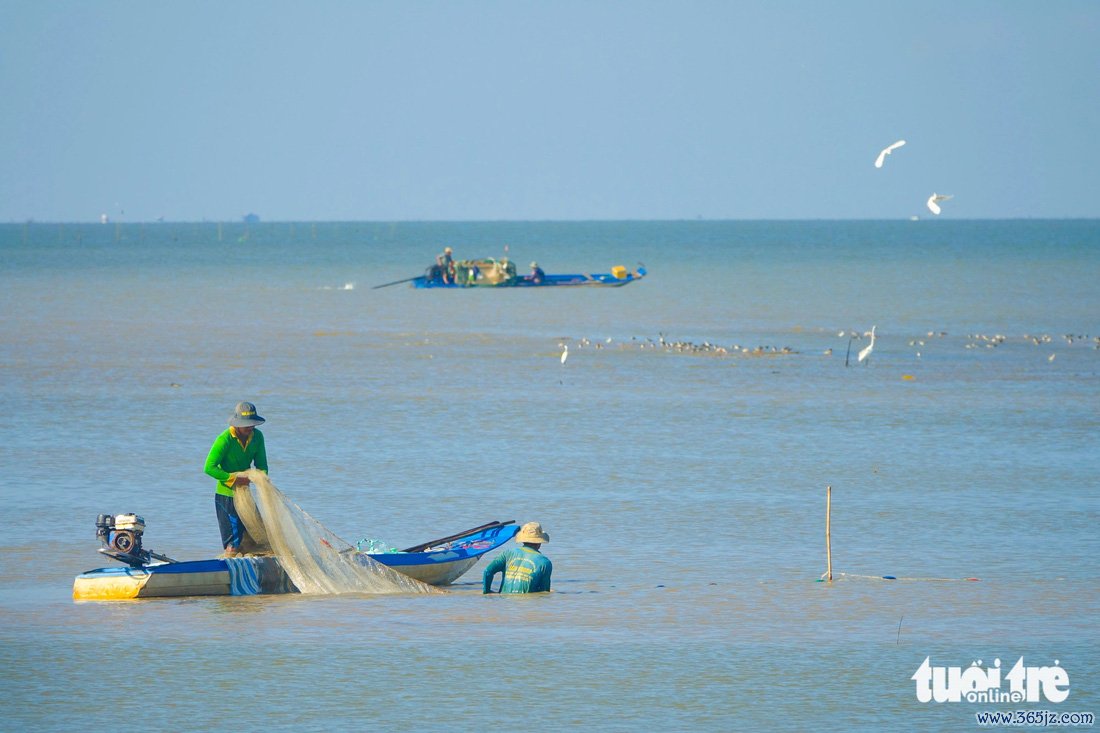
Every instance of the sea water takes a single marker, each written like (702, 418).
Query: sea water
(679, 459)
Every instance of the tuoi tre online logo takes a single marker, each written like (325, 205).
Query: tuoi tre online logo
(984, 684)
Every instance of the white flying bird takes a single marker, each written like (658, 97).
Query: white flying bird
(934, 202)
(866, 350)
(886, 151)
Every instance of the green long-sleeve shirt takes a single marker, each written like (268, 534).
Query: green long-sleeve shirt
(228, 457)
(525, 570)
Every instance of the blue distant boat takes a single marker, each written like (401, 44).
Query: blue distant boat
(598, 279)
(493, 273)
(438, 562)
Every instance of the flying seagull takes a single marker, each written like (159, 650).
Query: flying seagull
(934, 202)
(886, 151)
(866, 350)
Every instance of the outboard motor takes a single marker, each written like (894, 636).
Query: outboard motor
(120, 535)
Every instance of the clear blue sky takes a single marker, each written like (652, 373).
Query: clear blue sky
(517, 109)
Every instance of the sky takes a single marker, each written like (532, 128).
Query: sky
(551, 110)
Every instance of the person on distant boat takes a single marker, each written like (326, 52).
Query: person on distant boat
(447, 265)
(506, 271)
(525, 569)
(435, 272)
(537, 276)
(236, 450)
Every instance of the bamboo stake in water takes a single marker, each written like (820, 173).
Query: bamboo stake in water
(828, 537)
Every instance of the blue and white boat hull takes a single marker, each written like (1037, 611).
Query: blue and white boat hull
(439, 564)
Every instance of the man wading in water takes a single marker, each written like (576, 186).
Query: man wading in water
(237, 449)
(525, 569)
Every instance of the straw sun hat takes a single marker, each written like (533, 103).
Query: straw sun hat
(532, 532)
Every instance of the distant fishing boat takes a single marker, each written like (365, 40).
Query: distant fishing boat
(437, 562)
(490, 272)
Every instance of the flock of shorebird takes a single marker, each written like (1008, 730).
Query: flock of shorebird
(973, 341)
(678, 347)
(933, 202)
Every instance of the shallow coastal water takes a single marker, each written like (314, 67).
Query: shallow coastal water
(683, 486)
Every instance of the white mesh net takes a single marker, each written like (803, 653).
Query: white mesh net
(315, 559)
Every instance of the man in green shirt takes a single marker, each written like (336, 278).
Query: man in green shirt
(236, 450)
(525, 569)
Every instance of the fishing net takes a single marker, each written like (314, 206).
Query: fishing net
(315, 559)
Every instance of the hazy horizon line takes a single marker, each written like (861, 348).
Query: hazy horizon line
(83, 222)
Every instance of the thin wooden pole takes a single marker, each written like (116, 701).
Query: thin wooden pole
(828, 534)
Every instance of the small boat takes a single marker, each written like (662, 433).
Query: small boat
(494, 273)
(443, 561)
(438, 562)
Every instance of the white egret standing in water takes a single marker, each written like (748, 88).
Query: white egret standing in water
(564, 353)
(886, 151)
(866, 350)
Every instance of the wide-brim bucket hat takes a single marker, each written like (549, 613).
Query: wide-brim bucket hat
(532, 532)
(245, 416)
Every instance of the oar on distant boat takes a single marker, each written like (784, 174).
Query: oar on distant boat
(397, 282)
